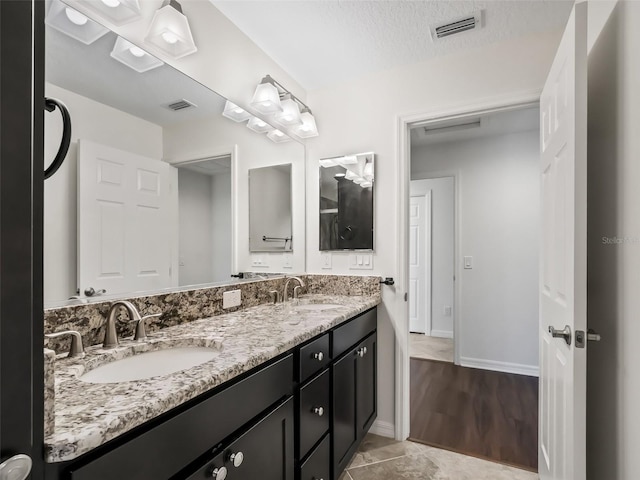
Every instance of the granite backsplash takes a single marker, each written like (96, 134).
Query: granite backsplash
(189, 305)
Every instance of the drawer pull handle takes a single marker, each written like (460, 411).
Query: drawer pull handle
(319, 356)
(318, 411)
(361, 352)
(219, 473)
(236, 459)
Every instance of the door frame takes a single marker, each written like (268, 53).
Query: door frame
(404, 123)
(229, 151)
(21, 231)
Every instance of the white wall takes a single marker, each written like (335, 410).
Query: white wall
(102, 124)
(221, 225)
(195, 231)
(197, 140)
(362, 115)
(498, 225)
(613, 382)
(442, 246)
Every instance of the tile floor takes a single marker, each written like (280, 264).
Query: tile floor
(381, 458)
(430, 348)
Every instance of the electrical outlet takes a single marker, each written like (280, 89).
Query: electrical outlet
(326, 260)
(231, 299)
(468, 263)
(287, 260)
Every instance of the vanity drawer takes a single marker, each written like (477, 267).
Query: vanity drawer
(352, 332)
(314, 411)
(318, 465)
(168, 447)
(266, 450)
(314, 357)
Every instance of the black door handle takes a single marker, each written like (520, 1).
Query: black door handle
(50, 105)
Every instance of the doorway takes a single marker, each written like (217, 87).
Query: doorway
(479, 176)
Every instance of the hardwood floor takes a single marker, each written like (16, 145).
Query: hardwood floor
(487, 414)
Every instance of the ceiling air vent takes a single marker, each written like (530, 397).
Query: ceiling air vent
(179, 105)
(456, 26)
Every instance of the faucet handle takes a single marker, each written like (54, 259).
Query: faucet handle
(275, 296)
(296, 291)
(141, 333)
(76, 350)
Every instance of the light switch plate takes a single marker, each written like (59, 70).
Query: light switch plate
(468, 263)
(361, 261)
(260, 262)
(326, 260)
(231, 299)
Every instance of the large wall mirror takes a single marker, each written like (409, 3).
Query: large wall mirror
(153, 193)
(346, 202)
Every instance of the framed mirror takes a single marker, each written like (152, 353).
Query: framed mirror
(270, 209)
(346, 202)
(153, 193)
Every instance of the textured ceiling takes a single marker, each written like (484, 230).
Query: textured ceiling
(499, 123)
(325, 42)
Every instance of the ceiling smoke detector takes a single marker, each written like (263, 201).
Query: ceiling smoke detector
(180, 105)
(458, 25)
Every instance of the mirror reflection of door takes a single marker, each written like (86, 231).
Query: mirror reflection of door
(204, 212)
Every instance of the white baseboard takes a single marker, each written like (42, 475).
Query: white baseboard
(441, 333)
(384, 429)
(506, 367)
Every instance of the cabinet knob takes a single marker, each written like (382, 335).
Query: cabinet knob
(236, 459)
(361, 351)
(219, 473)
(318, 411)
(319, 356)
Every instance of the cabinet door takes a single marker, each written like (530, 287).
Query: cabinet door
(344, 410)
(266, 450)
(366, 384)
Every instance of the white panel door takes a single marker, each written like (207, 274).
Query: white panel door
(563, 133)
(124, 220)
(419, 264)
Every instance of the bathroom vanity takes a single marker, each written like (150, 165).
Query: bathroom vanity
(290, 396)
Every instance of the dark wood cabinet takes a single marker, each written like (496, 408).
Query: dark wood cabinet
(265, 451)
(354, 400)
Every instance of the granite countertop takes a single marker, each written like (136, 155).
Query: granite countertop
(88, 415)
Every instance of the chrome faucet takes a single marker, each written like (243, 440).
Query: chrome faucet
(296, 289)
(110, 334)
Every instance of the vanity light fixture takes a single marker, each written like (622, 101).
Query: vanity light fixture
(266, 98)
(73, 23)
(347, 160)
(118, 12)
(258, 125)
(235, 113)
(169, 31)
(277, 136)
(290, 114)
(134, 57)
(328, 163)
(367, 173)
(308, 128)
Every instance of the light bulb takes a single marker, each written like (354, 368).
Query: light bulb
(137, 51)
(238, 110)
(169, 37)
(261, 124)
(278, 133)
(75, 17)
(287, 118)
(111, 3)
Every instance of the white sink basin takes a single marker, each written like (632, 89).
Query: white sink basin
(150, 364)
(317, 307)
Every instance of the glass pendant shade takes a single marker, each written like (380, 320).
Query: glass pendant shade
(348, 160)
(73, 23)
(308, 128)
(328, 163)
(366, 184)
(134, 57)
(266, 99)
(258, 125)
(277, 136)
(368, 171)
(352, 176)
(169, 31)
(290, 114)
(235, 113)
(118, 12)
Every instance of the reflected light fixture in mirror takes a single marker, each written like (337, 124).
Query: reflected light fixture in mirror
(73, 23)
(117, 12)
(169, 31)
(234, 112)
(266, 98)
(134, 57)
(277, 136)
(258, 125)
